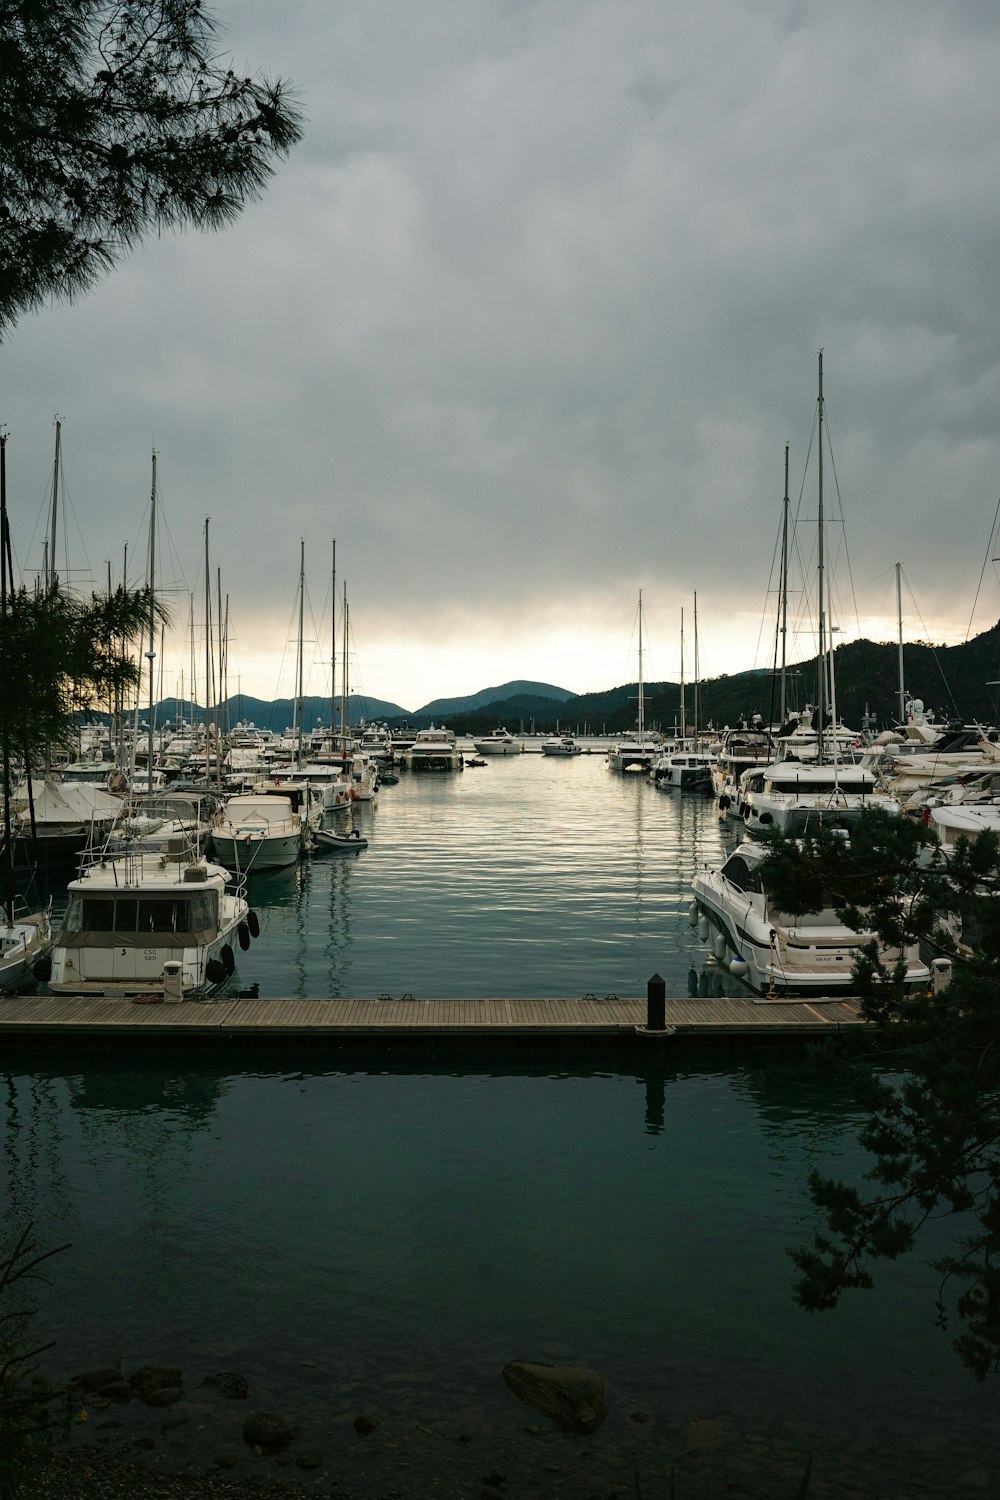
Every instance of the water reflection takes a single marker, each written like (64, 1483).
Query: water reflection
(634, 1215)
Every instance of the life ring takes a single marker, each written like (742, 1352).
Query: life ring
(228, 958)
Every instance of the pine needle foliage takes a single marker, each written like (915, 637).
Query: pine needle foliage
(63, 654)
(926, 1070)
(118, 119)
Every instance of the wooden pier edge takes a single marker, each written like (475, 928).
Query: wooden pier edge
(388, 1023)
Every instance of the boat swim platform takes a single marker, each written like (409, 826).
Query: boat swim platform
(410, 1023)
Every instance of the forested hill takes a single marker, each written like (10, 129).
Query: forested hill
(951, 680)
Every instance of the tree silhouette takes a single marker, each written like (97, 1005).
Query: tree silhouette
(118, 119)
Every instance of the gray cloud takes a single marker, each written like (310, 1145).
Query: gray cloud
(527, 321)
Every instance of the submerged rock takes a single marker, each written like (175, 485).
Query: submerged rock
(228, 1384)
(96, 1380)
(149, 1378)
(264, 1430)
(571, 1395)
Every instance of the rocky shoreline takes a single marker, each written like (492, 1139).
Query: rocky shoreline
(153, 1434)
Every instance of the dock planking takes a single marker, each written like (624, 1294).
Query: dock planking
(228, 1020)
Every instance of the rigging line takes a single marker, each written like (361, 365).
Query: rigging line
(933, 650)
(975, 601)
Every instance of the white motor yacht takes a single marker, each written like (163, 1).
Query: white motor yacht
(774, 953)
(635, 752)
(130, 914)
(563, 744)
(432, 750)
(500, 742)
(257, 831)
(685, 770)
(792, 795)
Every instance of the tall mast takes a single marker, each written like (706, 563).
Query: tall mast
(697, 683)
(194, 680)
(821, 571)
(641, 703)
(683, 709)
(208, 658)
(345, 714)
(151, 652)
(51, 577)
(220, 627)
(333, 639)
(784, 594)
(298, 689)
(899, 621)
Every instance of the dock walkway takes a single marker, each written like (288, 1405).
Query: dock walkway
(389, 1022)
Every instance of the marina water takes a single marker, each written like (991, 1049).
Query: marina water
(381, 1235)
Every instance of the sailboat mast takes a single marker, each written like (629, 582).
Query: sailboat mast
(899, 624)
(641, 702)
(208, 657)
(151, 652)
(333, 639)
(697, 671)
(345, 711)
(683, 709)
(298, 688)
(821, 571)
(784, 595)
(51, 577)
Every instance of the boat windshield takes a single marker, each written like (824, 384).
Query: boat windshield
(119, 920)
(742, 875)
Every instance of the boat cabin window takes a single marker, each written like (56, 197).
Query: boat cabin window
(813, 786)
(110, 914)
(740, 874)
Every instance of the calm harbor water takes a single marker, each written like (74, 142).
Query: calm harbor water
(527, 877)
(380, 1238)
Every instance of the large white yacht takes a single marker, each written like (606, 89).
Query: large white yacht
(432, 750)
(500, 742)
(635, 752)
(683, 768)
(258, 831)
(561, 744)
(130, 914)
(774, 953)
(793, 795)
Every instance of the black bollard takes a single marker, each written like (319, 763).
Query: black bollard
(656, 1004)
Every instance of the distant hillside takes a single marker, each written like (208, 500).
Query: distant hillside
(449, 707)
(953, 681)
(277, 715)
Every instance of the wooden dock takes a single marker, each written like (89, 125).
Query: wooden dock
(337, 1024)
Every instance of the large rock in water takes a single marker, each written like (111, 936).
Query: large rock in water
(571, 1395)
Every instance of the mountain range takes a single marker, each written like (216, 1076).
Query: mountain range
(957, 682)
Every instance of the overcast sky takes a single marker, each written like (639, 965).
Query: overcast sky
(525, 323)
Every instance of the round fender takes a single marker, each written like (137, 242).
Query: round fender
(253, 923)
(228, 958)
(215, 971)
(42, 968)
(243, 934)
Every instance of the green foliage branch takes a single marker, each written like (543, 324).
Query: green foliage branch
(117, 118)
(61, 654)
(926, 1070)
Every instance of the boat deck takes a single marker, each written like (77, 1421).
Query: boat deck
(389, 1022)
